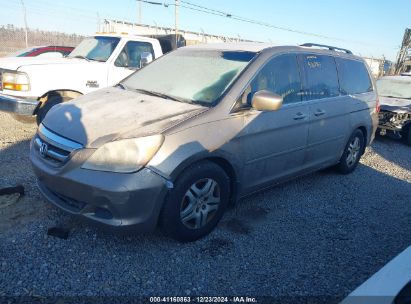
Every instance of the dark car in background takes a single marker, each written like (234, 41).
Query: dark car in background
(46, 51)
(395, 100)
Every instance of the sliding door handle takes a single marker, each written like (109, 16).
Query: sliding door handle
(319, 113)
(300, 116)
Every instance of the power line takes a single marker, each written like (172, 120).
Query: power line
(210, 11)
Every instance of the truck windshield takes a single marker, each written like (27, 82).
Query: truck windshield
(95, 48)
(190, 75)
(399, 88)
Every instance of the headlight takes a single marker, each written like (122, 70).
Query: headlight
(124, 156)
(16, 81)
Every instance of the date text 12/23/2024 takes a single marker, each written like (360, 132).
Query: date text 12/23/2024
(203, 300)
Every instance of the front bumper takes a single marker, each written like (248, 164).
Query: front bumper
(117, 200)
(393, 120)
(18, 105)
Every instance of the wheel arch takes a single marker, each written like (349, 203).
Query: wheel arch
(231, 168)
(62, 92)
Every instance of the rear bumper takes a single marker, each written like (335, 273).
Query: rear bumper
(18, 105)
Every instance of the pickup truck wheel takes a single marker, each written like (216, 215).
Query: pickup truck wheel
(51, 101)
(352, 153)
(196, 203)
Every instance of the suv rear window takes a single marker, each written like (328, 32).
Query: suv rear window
(354, 77)
(321, 77)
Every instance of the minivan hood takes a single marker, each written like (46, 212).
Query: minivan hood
(113, 113)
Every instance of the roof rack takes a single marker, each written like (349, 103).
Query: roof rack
(331, 48)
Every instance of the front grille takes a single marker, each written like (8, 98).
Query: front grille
(54, 148)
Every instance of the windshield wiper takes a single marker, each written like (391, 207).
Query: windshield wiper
(122, 86)
(81, 57)
(98, 60)
(165, 96)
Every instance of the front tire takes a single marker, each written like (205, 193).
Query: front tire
(352, 153)
(197, 203)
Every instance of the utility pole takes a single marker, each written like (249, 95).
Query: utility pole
(98, 22)
(25, 21)
(139, 12)
(177, 6)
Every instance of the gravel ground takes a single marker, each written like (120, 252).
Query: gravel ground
(322, 234)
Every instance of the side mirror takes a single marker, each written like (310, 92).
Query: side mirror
(266, 101)
(146, 58)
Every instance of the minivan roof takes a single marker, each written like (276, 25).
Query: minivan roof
(257, 47)
(233, 46)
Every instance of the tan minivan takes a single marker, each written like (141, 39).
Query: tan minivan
(179, 140)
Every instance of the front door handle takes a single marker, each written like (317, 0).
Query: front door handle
(319, 112)
(299, 116)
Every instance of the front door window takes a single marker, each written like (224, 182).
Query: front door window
(130, 56)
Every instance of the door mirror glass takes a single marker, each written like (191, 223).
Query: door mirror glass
(146, 58)
(266, 101)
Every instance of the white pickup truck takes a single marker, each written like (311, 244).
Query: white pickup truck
(31, 86)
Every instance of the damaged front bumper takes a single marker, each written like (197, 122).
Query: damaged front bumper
(393, 121)
(120, 201)
(18, 105)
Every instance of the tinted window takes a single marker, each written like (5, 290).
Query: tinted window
(131, 54)
(354, 77)
(281, 76)
(321, 77)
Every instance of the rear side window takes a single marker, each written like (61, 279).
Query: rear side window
(354, 77)
(321, 77)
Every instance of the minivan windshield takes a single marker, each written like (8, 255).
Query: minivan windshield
(399, 88)
(95, 48)
(191, 75)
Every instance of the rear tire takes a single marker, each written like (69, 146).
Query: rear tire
(45, 107)
(352, 153)
(196, 203)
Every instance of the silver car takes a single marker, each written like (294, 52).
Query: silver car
(189, 134)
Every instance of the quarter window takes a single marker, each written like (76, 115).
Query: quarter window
(354, 77)
(321, 77)
(130, 56)
(281, 76)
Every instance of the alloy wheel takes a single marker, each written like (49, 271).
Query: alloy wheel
(353, 151)
(200, 203)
